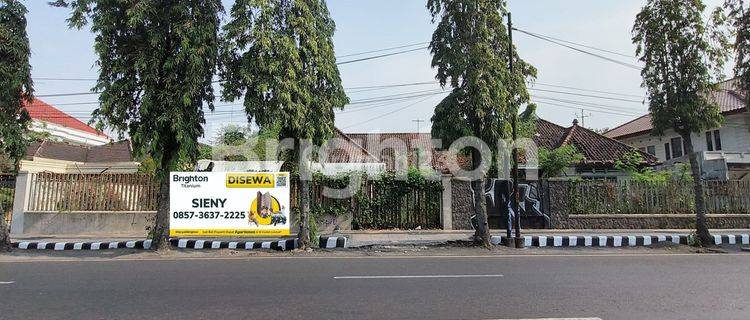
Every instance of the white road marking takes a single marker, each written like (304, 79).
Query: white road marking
(555, 319)
(7, 282)
(427, 276)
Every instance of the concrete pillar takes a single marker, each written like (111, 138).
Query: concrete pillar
(446, 217)
(20, 202)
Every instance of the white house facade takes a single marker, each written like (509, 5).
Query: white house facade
(724, 151)
(63, 127)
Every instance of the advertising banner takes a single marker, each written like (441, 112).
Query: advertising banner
(218, 204)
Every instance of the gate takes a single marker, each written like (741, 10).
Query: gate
(7, 188)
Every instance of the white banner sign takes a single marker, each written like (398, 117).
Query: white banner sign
(218, 204)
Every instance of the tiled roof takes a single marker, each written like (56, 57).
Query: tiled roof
(112, 152)
(385, 146)
(343, 149)
(728, 97)
(41, 111)
(596, 148)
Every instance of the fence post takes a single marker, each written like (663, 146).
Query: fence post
(446, 217)
(20, 202)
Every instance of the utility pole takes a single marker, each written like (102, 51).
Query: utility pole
(518, 242)
(583, 117)
(418, 121)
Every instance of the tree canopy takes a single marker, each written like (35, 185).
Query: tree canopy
(680, 65)
(16, 86)
(470, 51)
(279, 56)
(738, 12)
(156, 61)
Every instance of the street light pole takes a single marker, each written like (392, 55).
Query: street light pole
(518, 242)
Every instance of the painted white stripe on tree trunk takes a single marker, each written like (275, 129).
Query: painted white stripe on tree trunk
(437, 276)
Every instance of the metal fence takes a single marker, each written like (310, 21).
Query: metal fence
(632, 197)
(54, 192)
(380, 205)
(7, 188)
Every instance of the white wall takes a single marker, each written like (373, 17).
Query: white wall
(68, 135)
(735, 137)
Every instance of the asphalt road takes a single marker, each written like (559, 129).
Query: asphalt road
(505, 287)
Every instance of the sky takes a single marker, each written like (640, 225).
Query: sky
(366, 25)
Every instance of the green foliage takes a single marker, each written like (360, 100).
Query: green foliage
(554, 162)
(156, 62)
(16, 86)
(232, 135)
(632, 163)
(737, 13)
(680, 60)
(470, 51)
(279, 56)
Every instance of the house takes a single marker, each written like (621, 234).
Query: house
(397, 150)
(724, 152)
(65, 157)
(61, 126)
(600, 152)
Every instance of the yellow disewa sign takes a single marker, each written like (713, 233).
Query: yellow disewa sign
(250, 180)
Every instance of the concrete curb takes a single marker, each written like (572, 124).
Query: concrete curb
(617, 241)
(280, 245)
(60, 246)
(326, 242)
(332, 242)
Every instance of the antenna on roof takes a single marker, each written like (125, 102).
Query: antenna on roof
(583, 117)
(418, 121)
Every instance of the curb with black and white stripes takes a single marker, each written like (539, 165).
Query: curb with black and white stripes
(326, 242)
(59, 246)
(618, 241)
(280, 245)
(332, 242)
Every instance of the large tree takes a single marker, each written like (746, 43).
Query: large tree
(16, 88)
(470, 51)
(279, 56)
(681, 65)
(156, 62)
(738, 12)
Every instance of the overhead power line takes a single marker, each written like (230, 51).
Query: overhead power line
(541, 37)
(588, 95)
(389, 113)
(382, 50)
(380, 56)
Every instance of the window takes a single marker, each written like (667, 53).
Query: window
(651, 150)
(717, 140)
(713, 140)
(676, 147)
(667, 152)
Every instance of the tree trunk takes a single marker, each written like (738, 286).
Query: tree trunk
(303, 236)
(482, 233)
(304, 210)
(700, 209)
(160, 236)
(4, 234)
